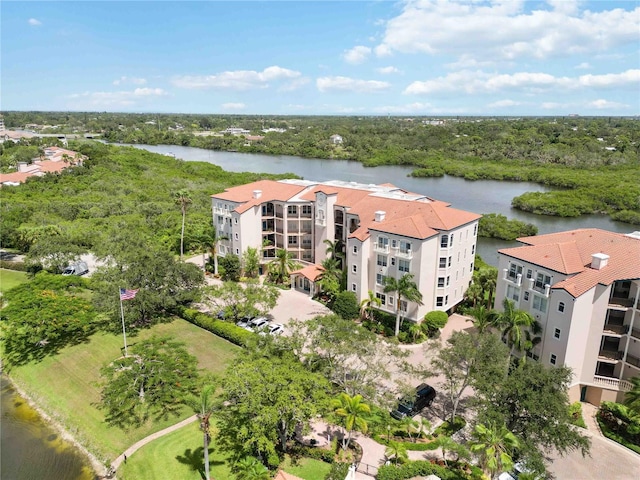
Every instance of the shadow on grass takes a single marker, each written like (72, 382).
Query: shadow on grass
(195, 460)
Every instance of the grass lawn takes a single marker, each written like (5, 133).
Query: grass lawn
(66, 384)
(307, 468)
(11, 278)
(178, 455)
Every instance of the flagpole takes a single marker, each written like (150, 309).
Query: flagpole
(124, 333)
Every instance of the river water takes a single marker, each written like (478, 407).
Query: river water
(30, 449)
(482, 196)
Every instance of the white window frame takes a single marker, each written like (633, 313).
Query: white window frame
(439, 301)
(557, 333)
(381, 260)
(355, 249)
(553, 359)
(354, 268)
(561, 307)
(353, 287)
(442, 262)
(444, 241)
(382, 297)
(404, 266)
(440, 282)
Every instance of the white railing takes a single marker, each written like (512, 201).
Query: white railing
(613, 383)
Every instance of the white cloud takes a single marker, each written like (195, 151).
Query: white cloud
(387, 70)
(504, 103)
(233, 106)
(346, 84)
(34, 22)
(555, 105)
(503, 30)
(583, 66)
(115, 99)
(602, 104)
(132, 80)
(474, 82)
(357, 54)
(238, 79)
(630, 77)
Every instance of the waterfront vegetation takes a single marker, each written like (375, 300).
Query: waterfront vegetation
(593, 161)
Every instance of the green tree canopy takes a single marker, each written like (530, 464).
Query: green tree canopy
(153, 382)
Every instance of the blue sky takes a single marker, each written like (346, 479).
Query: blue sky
(423, 57)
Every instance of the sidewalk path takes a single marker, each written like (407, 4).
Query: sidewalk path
(141, 443)
(589, 415)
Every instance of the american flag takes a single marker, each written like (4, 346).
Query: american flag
(127, 294)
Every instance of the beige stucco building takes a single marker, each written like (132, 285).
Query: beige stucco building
(384, 230)
(583, 286)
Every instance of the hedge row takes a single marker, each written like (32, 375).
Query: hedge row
(223, 329)
(19, 266)
(424, 468)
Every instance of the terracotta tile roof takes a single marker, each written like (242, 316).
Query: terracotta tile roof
(271, 191)
(19, 177)
(310, 272)
(570, 253)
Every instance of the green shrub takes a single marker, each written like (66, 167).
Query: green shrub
(230, 268)
(223, 329)
(322, 454)
(575, 411)
(423, 468)
(346, 305)
(433, 322)
(338, 471)
(448, 428)
(18, 266)
(619, 423)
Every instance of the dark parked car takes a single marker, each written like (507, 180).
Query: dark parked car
(410, 406)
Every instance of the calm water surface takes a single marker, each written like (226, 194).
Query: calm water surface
(482, 196)
(31, 450)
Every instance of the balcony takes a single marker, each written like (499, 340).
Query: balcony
(622, 302)
(609, 355)
(404, 253)
(635, 332)
(615, 329)
(612, 383)
(381, 248)
(633, 360)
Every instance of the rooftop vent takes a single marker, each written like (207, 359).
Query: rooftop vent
(257, 193)
(635, 235)
(599, 260)
(380, 215)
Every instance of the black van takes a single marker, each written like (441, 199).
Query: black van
(409, 406)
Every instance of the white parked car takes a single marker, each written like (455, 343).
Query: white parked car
(273, 329)
(258, 323)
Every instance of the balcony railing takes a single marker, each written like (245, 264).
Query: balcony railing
(610, 354)
(622, 302)
(615, 329)
(633, 360)
(381, 248)
(612, 383)
(404, 253)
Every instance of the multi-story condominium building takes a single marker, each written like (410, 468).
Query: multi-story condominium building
(583, 287)
(384, 230)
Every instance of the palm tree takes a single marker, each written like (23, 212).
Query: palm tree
(487, 277)
(424, 427)
(512, 321)
(411, 426)
(531, 338)
(204, 411)
(396, 451)
(334, 250)
(495, 445)
(183, 200)
(632, 397)
(483, 317)
(474, 293)
(367, 305)
(283, 264)
(403, 288)
(208, 242)
(250, 468)
(353, 412)
(329, 278)
(251, 261)
(446, 444)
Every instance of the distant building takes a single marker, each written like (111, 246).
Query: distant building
(55, 160)
(235, 131)
(384, 230)
(336, 139)
(583, 287)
